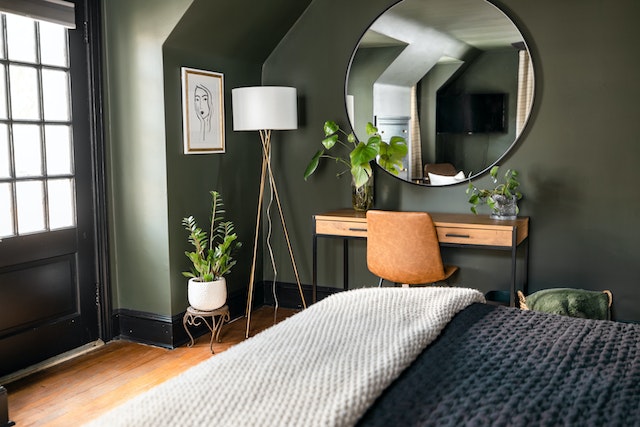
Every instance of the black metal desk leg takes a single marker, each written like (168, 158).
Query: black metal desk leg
(512, 291)
(345, 263)
(525, 279)
(514, 260)
(4, 409)
(314, 280)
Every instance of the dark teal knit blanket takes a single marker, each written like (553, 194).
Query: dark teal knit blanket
(499, 366)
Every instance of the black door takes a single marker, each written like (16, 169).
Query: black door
(49, 300)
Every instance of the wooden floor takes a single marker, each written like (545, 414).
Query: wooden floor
(80, 389)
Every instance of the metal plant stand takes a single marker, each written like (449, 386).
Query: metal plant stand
(194, 317)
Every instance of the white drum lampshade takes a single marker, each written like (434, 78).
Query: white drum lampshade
(264, 108)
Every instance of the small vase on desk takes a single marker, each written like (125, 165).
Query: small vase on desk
(504, 207)
(362, 197)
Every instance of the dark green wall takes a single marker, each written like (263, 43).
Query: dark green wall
(152, 184)
(133, 33)
(577, 156)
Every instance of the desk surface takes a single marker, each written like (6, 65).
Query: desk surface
(452, 228)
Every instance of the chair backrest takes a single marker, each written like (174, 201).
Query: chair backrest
(403, 247)
(446, 169)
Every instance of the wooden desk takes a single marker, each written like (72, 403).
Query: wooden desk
(454, 230)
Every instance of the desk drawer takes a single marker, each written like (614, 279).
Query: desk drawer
(474, 236)
(341, 228)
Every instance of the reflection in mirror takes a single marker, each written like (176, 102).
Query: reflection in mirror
(454, 77)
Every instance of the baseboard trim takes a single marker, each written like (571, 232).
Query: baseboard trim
(56, 360)
(168, 331)
(289, 296)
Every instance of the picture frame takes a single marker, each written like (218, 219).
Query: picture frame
(202, 111)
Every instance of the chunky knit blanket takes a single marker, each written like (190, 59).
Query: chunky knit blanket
(500, 366)
(322, 367)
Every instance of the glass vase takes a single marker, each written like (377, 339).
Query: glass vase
(504, 207)
(362, 197)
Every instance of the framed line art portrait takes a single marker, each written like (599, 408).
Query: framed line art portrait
(202, 111)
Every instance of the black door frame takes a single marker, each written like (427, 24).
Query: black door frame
(93, 37)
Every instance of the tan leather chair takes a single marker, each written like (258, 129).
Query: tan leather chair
(446, 169)
(402, 247)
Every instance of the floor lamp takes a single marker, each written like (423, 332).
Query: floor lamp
(263, 109)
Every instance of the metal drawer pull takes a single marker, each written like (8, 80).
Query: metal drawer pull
(462, 236)
(357, 229)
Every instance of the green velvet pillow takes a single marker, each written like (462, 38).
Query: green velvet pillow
(569, 302)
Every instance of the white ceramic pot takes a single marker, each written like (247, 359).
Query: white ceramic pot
(207, 296)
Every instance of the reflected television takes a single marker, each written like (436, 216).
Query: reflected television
(471, 113)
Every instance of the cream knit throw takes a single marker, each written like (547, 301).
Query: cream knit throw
(322, 367)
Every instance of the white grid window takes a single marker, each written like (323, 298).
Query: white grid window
(37, 184)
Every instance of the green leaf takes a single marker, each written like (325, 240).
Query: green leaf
(491, 203)
(330, 141)
(330, 127)
(363, 154)
(371, 129)
(351, 138)
(313, 164)
(374, 142)
(397, 148)
(361, 174)
(387, 160)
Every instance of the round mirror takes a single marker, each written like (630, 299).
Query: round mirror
(453, 77)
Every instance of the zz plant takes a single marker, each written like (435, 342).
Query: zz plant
(213, 254)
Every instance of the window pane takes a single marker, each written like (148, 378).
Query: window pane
(30, 197)
(58, 147)
(24, 92)
(26, 149)
(21, 38)
(2, 55)
(55, 95)
(61, 203)
(6, 214)
(5, 165)
(53, 44)
(3, 93)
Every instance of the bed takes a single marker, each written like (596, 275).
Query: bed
(419, 356)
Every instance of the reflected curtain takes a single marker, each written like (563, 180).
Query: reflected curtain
(525, 89)
(414, 138)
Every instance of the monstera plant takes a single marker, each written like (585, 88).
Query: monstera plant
(356, 157)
